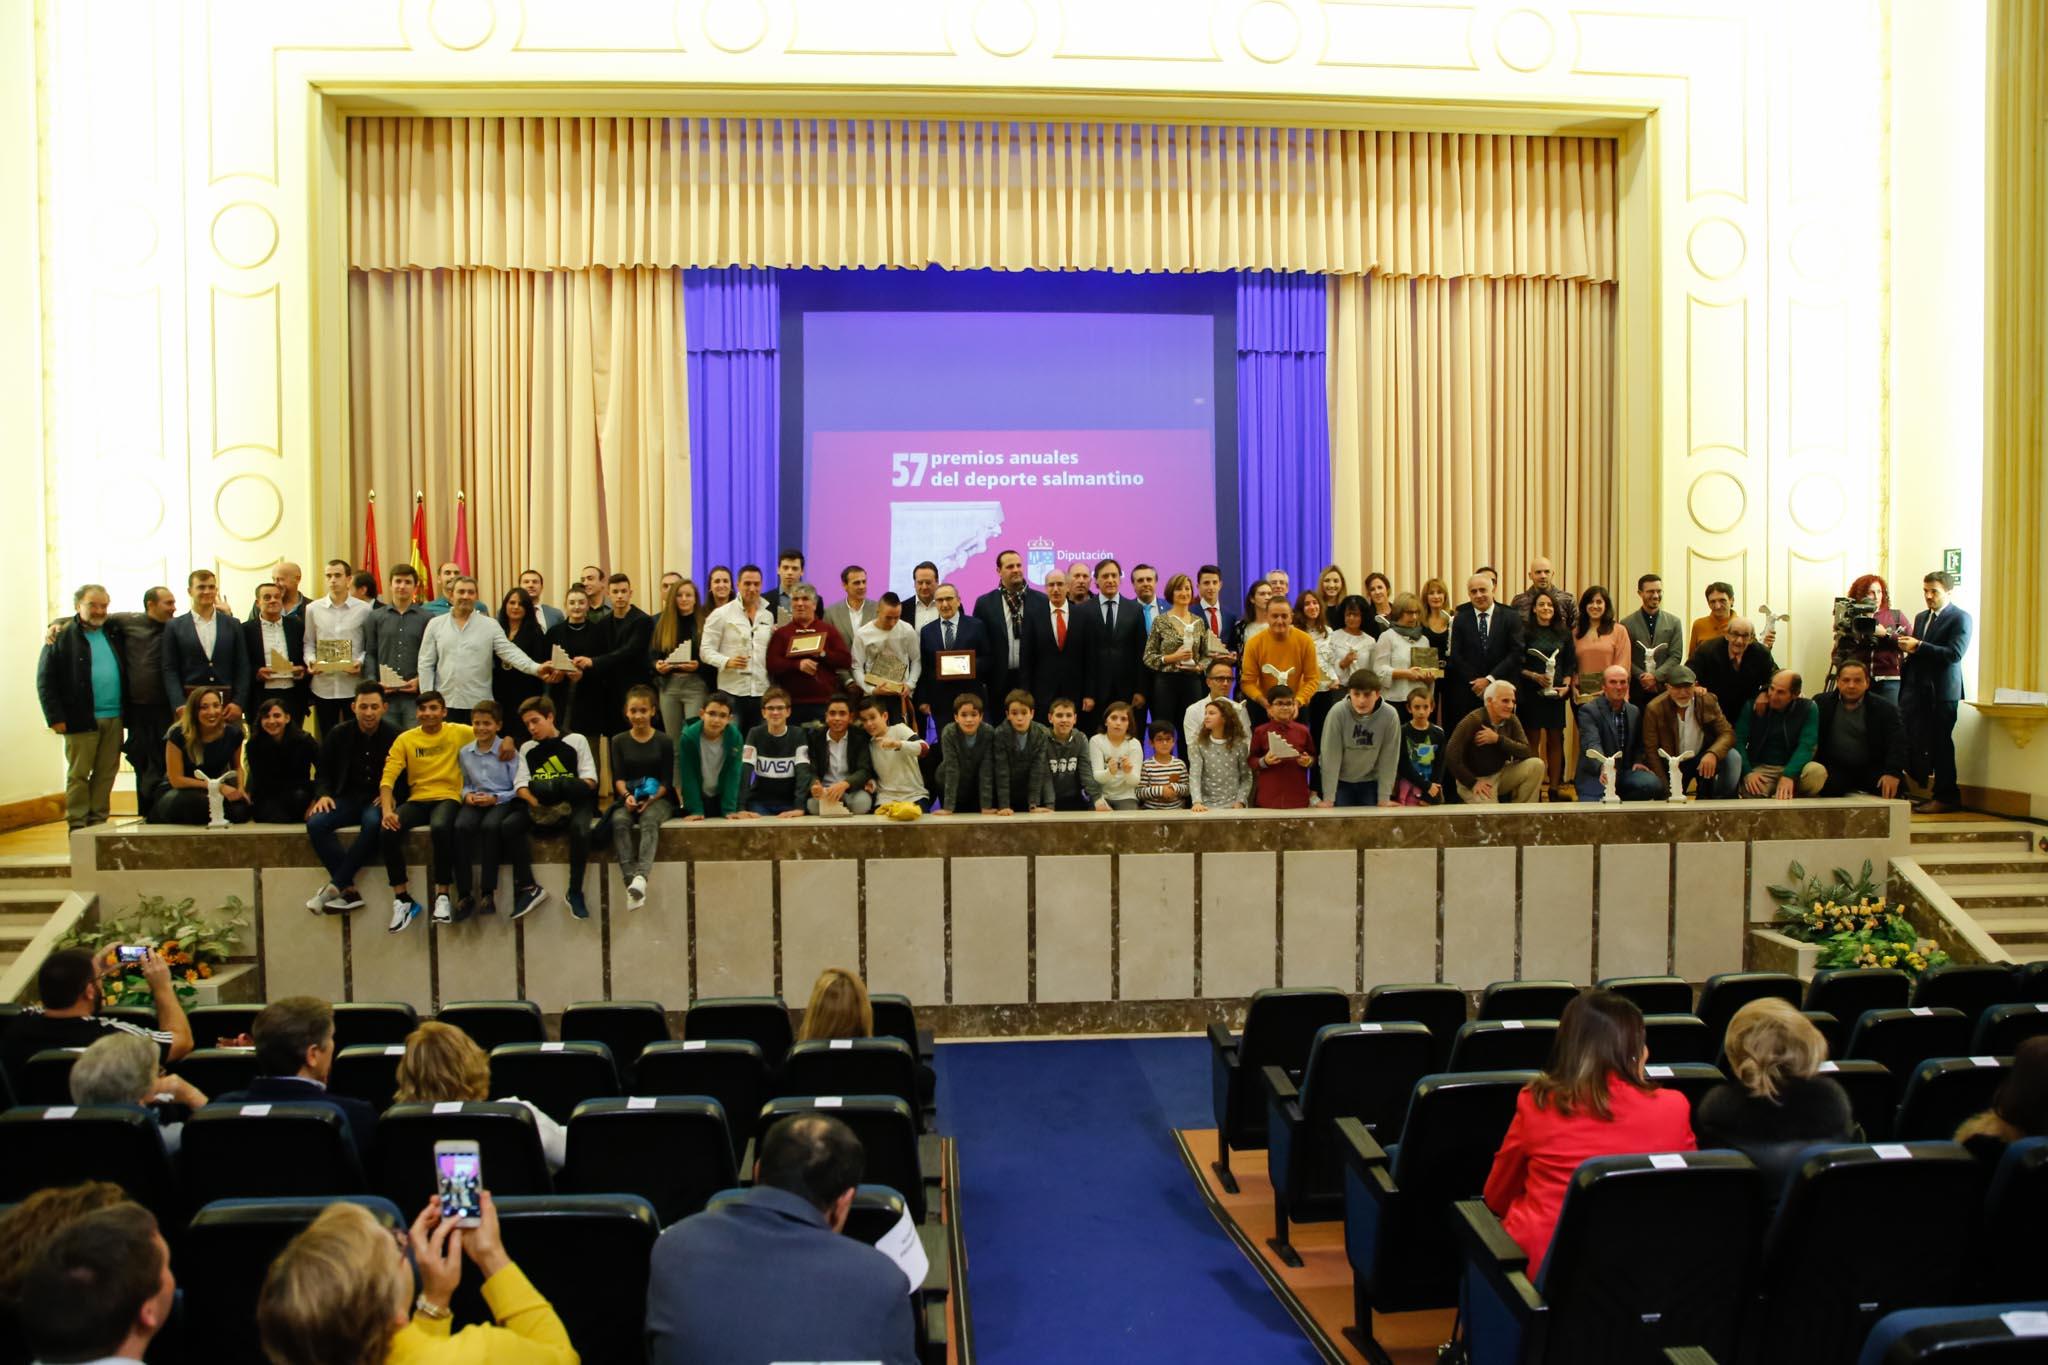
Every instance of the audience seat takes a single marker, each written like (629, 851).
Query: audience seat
(1830, 1027)
(1526, 999)
(361, 1023)
(2031, 982)
(1902, 1039)
(887, 1130)
(142, 1016)
(732, 1072)
(852, 1066)
(494, 1023)
(218, 1070)
(6, 1090)
(45, 1078)
(402, 1169)
(1971, 987)
(1944, 1091)
(1280, 1027)
(1653, 994)
(762, 1020)
(1730, 991)
(1954, 1336)
(268, 1151)
(896, 1017)
(2002, 1028)
(224, 1254)
(1846, 992)
(674, 1153)
(1398, 1235)
(589, 1255)
(2010, 1255)
(1364, 1072)
(367, 1072)
(1679, 1038)
(1503, 1045)
(1863, 1230)
(625, 1026)
(555, 1076)
(1440, 1008)
(43, 1147)
(1690, 1079)
(1650, 1252)
(1873, 1094)
(212, 1023)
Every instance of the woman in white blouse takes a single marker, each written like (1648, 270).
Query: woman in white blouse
(1392, 654)
(1117, 758)
(1348, 647)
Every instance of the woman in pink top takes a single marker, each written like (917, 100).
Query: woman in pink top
(1601, 643)
(1592, 1100)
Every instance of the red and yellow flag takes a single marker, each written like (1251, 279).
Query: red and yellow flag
(422, 562)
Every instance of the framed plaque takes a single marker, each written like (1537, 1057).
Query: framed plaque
(333, 656)
(956, 665)
(806, 643)
(886, 672)
(1425, 656)
(1591, 684)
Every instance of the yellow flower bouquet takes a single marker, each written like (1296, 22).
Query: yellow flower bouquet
(1849, 918)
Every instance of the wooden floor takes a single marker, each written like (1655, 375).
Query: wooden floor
(38, 841)
(1320, 1290)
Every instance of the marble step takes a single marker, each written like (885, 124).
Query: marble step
(2001, 891)
(1944, 864)
(21, 867)
(1973, 834)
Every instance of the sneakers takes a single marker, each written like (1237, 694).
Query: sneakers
(636, 893)
(321, 899)
(576, 905)
(464, 908)
(486, 906)
(444, 909)
(527, 899)
(348, 898)
(404, 910)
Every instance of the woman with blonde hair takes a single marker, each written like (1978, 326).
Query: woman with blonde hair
(1778, 1104)
(338, 1295)
(839, 1008)
(444, 1065)
(682, 687)
(202, 743)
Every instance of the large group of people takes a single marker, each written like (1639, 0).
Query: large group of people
(595, 719)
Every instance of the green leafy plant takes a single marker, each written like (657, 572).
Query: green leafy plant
(196, 943)
(1850, 920)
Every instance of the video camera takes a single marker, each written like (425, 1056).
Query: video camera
(1856, 619)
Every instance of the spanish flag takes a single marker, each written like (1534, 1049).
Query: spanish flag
(370, 565)
(422, 562)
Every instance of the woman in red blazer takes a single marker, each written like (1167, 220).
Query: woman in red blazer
(1593, 1100)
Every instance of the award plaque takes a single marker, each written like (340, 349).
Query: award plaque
(680, 654)
(333, 656)
(1425, 656)
(278, 665)
(886, 672)
(1591, 684)
(388, 676)
(562, 663)
(806, 643)
(956, 665)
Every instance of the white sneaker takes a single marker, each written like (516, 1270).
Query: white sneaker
(404, 910)
(317, 903)
(444, 910)
(636, 893)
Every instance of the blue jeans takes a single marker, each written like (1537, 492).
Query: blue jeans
(343, 864)
(760, 806)
(1357, 793)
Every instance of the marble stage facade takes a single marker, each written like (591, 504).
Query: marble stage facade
(1051, 924)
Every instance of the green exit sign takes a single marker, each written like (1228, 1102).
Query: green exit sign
(1952, 563)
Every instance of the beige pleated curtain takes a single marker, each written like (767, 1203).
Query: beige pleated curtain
(503, 273)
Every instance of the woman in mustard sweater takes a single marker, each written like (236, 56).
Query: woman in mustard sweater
(337, 1296)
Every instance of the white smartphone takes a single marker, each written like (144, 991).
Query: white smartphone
(459, 1170)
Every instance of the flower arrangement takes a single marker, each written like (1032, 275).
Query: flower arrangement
(1852, 923)
(195, 944)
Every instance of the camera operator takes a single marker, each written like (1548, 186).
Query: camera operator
(1867, 629)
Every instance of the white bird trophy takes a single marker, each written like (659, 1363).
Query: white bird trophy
(1677, 777)
(1609, 796)
(1766, 624)
(216, 805)
(1650, 654)
(1549, 662)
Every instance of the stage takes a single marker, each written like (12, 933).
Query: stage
(1051, 924)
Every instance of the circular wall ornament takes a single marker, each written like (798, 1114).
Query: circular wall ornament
(1816, 503)
(1005, 28)
(1716, 247)
(248, 506)
(1269, 31)
(1716, 502)
(1524, 40)
(460, 25)
(735, 25)
(1816, 252)
(244, 235)
(134, 504)
(125, 236)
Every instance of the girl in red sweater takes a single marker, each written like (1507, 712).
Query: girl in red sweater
(1593, 1100)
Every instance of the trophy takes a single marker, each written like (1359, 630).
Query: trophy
(388, 676)
(1650, 655)
(1676, 777)
(1549, 662)
(1609, 796)
(216, 805)
(1766, 622)
(562, 663)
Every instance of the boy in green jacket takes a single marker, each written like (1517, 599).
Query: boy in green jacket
(708, 763)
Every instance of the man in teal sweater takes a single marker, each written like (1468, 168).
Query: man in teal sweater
(1777, 737)
(708, 764)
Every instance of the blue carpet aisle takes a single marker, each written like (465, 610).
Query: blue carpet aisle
(1084, 1240)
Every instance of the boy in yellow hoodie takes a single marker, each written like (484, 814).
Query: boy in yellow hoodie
(428, 758)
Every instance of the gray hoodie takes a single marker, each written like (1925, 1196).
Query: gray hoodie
(1359, 748)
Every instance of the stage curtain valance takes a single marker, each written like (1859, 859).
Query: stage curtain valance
(572, 193)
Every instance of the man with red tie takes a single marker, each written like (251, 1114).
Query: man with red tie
(1209, 606)
(1059, 649)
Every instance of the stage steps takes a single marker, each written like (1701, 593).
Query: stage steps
(34, 887)
(1996, 871)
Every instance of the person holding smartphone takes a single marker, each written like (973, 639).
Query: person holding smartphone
(313, 1299)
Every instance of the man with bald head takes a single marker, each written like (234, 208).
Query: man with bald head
(1541, 579)
(1777, 737)
(1734, 666)
(1612, 724)
(287, 576)
(1486, 644)
(440, 606)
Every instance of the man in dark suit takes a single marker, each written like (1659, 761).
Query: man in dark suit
(294, 1050)
(1931, 689)
(1117, 652)
(722, 1284)
(1735, 666)
(1004, 610)
(204, 647)
(1612, 724)
(1062, 645)
(1209, 605)
(1862, 736)
(953, 630)
(1486, 643)
(271, 629)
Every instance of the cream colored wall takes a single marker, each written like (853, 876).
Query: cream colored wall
(198, 359)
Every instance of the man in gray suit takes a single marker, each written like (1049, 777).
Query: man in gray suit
(850, 615)
(1656, 642)
(723, 1284)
